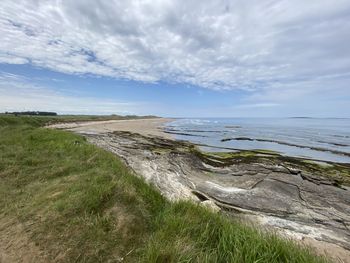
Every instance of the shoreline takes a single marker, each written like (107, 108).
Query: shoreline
(279, 193)
(70, 191)
(155, 127)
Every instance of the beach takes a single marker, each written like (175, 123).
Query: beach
(147, 127)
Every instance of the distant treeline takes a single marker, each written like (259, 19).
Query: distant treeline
(35, 113)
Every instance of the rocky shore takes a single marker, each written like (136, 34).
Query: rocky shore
(300, 199)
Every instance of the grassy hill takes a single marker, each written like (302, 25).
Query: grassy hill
(64, 200)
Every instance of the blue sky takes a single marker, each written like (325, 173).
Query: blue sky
(170, 58)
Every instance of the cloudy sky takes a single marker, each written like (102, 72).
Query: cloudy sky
(176, 58)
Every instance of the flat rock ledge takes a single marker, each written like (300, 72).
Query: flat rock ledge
(295, 200)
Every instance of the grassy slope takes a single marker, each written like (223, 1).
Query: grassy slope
(78, 203)
(10, 119)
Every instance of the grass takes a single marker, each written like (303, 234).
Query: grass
(79, 203)
(37, 120)
(197, 235)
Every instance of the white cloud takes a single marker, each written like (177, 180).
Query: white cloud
(10, 59)
(20, 94)
(220, 44)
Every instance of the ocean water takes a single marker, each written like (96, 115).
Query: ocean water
(312, 138)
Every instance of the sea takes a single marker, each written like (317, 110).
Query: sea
(321, 139)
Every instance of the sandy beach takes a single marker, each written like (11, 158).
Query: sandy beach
(146, 127)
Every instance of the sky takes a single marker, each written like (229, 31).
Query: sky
(194, 58)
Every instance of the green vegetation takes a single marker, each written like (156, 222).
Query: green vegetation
(78, 203)
(237, 154)
(41, 120)
(221, 159)
(336, 171)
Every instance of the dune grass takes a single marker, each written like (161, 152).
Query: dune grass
(79, 203)
(37, 120)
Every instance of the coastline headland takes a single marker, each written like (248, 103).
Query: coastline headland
(298, 198)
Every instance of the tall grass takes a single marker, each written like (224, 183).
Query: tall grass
(190, 233)
(79, 203)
